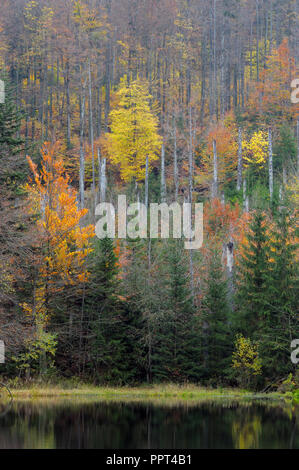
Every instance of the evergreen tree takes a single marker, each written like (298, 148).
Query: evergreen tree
(177, 352)
(217, 340)
(113, 341)
(281, 326)
(12, 168)
(10, 122)
(254, 278)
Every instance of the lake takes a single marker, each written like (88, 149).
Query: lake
(88, 424)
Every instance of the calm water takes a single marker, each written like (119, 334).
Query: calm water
(115, 425)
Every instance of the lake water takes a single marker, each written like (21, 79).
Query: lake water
(221, 424)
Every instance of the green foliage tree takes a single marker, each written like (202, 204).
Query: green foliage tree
(216, 329)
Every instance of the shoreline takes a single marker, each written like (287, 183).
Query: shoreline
(154, 392)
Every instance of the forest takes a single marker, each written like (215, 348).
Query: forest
(187, 101)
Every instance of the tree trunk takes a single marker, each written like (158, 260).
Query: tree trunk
(175, 163)
(240, 162)
(215, 172)
(146, 182)
(82, 153)
(270, 165)
(163, 184)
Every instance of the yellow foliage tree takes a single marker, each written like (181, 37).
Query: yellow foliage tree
(256, 150)
(246, 360)
(134, 131)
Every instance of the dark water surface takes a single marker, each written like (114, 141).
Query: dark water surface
(116, 425)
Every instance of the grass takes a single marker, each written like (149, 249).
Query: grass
(169, 391)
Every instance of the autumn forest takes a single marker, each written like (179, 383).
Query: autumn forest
(164, 101)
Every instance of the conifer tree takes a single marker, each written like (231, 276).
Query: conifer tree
(177, 352)
(254, 278)
(10, 122)
(281, 325)
(217, 340)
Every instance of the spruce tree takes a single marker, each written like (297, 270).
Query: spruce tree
(216, 329)
(104, 310)
(254, 279)
(281, 326)
(10, 122)
(177, 352)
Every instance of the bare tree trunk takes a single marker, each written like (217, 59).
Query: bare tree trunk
(91, 135)
(240, 162)
(257, 42)
(146, 181)
(68, 108)
(175, 163)
(215, 171)
(82, 153)
(191, 193)
(163, 184)
(103, 185)
(270, 165)
(245, 197)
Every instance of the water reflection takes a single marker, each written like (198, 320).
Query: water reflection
(119, 425)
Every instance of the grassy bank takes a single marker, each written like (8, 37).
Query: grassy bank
(186, 392)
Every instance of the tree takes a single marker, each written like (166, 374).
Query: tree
(216, 338)
(134, 131)
(253, 277)
(62, 243)
(246, 361)
(110, 359)
(176, 352)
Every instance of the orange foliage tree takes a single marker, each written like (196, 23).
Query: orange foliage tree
(63, 242)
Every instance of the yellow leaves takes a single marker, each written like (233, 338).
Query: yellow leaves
(246, 358)
(134, 131)
(255, 150)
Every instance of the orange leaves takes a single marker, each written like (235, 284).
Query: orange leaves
(271, 98)
(224, 133)
(66, 243)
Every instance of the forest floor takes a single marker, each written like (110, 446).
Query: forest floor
(141, 393)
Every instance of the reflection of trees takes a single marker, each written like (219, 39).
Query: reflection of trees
(127, 425)
(246, 432)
